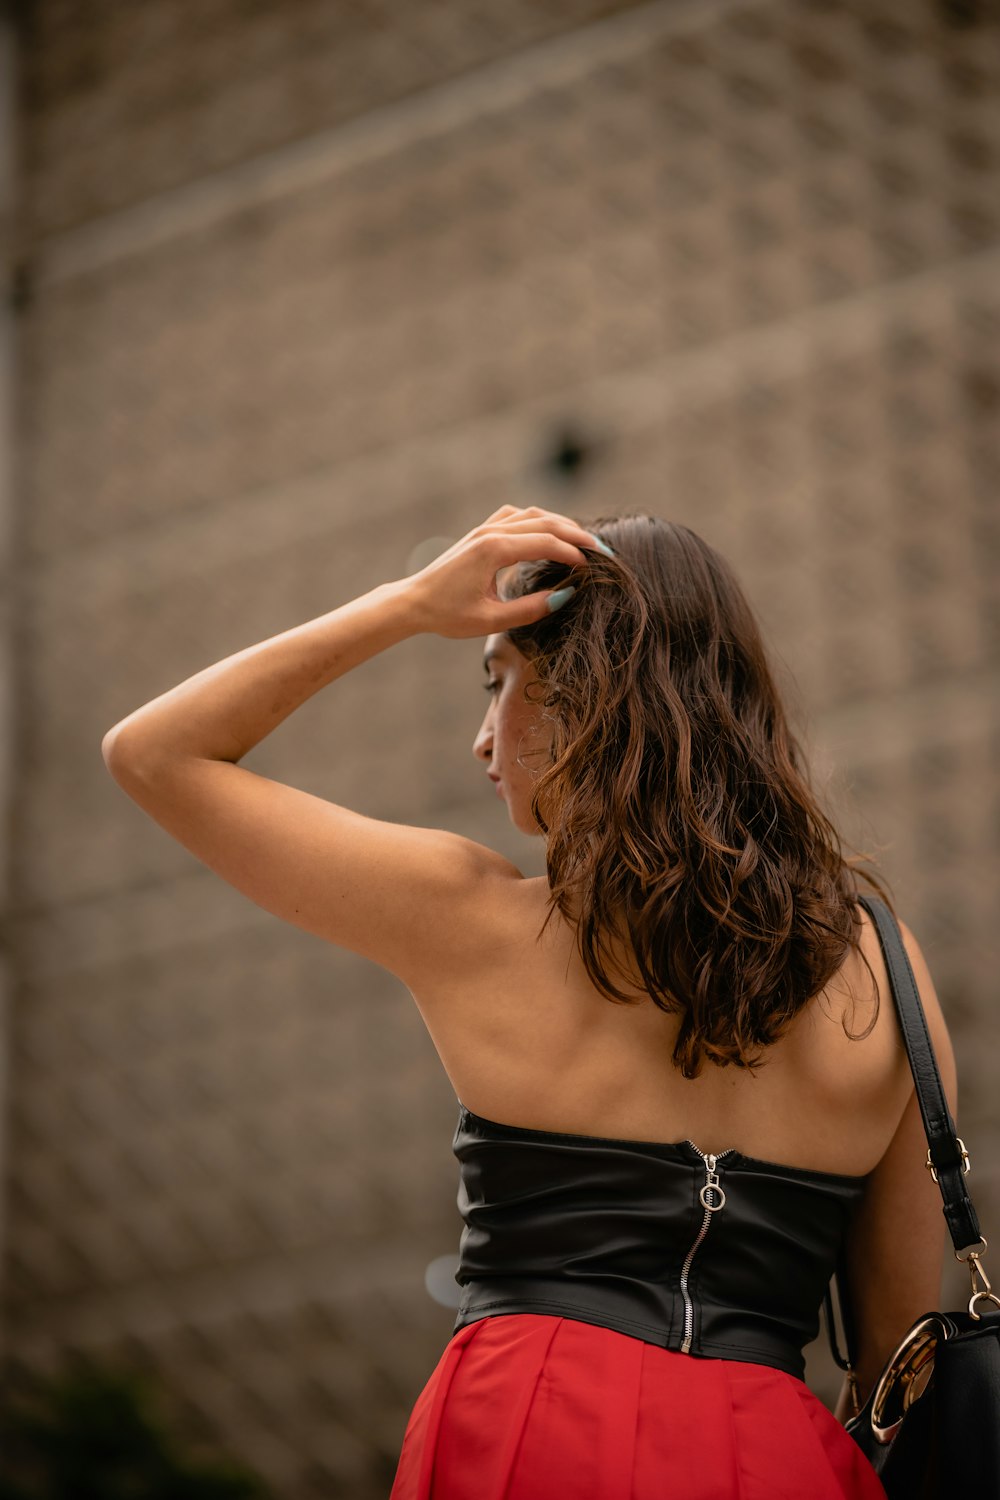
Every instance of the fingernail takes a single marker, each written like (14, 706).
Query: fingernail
(558, 597)
(603, 546)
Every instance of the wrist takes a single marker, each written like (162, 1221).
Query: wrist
(405, 601)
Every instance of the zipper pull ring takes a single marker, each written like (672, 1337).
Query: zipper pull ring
(712, 1185)
(712, 1197)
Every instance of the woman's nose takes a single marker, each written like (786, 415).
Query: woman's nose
(482, 745)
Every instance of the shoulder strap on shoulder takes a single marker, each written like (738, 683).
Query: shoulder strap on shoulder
(946, 1155)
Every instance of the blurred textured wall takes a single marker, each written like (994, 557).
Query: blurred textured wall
(301, 287)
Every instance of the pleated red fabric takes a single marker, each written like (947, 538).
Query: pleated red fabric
(530, 1406)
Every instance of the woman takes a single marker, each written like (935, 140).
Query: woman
(682, 1088)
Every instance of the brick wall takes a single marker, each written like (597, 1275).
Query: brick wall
(303, 287)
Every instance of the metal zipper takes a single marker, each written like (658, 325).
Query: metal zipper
(712, 1197)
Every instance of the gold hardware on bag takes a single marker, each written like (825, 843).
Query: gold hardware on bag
(966, 1163)
(975, 1269)
(905, 1377)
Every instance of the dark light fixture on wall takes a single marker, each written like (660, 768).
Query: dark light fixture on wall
(569, 453)
(962, 12)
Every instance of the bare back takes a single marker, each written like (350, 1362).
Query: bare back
(530, 1041)
(526, 1039)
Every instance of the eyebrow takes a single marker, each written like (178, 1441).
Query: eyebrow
(489, 657)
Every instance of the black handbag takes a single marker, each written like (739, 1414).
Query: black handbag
(931, 1426)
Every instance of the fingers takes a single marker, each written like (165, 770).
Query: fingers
(528, 610)
(527, 546)
(528, 520)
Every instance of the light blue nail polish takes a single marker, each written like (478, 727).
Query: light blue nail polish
(603, 546)
(557, 599)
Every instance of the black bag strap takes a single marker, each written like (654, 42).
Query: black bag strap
(946, 1153)
(847, 1360)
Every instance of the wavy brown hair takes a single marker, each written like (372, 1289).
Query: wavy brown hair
(677, 803)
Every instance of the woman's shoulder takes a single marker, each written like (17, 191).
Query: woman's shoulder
(897, 1239)
(861, 996)
(931, 1004)
(848, 1043)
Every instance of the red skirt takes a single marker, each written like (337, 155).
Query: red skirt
(528, 1406)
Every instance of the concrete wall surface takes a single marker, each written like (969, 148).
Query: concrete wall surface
(300, 290)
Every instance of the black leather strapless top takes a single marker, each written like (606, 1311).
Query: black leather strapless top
(719, 1255)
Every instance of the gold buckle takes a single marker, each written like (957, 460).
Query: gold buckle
(905, 1377)
(966, 1163)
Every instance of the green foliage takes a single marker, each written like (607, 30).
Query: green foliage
(90, 1433)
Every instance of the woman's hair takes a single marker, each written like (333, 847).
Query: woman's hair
(677, 803)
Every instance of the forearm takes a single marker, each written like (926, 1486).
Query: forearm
(223, 711)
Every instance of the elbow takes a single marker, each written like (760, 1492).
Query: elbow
(118, 754)
(107, 747)
(133, 758)
(111, 753)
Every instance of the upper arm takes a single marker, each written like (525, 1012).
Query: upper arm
(896, 1243)
(415, 900)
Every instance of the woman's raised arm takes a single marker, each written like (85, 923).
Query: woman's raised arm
(415, 900)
